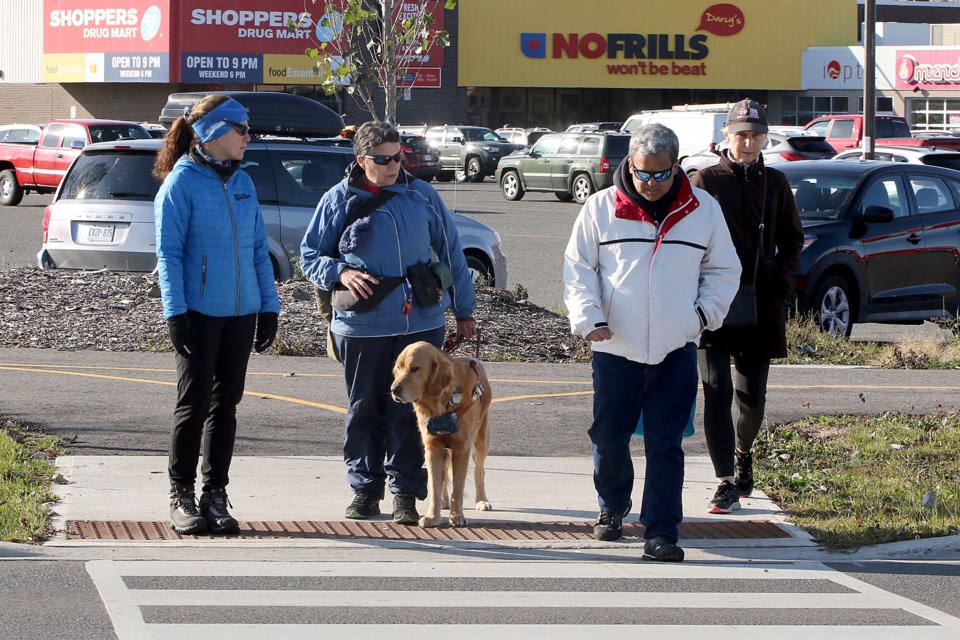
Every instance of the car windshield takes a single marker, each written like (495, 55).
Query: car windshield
(477, 134)
(113, 132)
(810, 144)
(111, 176)
(416, 143)
(617, 146)
(945, 160)
(822, 195)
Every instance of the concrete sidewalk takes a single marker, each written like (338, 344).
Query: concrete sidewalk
(290, 489)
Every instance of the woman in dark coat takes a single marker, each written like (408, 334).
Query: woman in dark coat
(750, 195)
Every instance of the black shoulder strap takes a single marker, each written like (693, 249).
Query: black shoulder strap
(364, 209)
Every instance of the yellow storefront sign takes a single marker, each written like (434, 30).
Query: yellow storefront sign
(290, 69)
(646, 43)
(65, 67)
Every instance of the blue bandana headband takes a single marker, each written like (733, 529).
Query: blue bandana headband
(212, 125)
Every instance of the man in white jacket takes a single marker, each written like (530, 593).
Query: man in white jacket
(649, 266)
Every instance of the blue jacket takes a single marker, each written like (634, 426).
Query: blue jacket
(408, 229)
(212, 252)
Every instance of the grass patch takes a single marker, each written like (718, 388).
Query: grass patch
(26, 470)
(807, 344)
(863, 480)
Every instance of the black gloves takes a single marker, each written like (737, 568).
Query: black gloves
(181, 335)
(266, 330)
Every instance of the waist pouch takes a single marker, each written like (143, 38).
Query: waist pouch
(443, 425)
(342, 299)
(424, 284)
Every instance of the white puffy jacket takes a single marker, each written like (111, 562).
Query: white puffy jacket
(653, 286)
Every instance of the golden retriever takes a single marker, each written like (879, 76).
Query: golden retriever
(437, 384)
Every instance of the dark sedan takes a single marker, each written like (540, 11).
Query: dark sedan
(419, 158)
(882, 241)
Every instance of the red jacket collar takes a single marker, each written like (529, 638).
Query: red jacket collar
(685, 203)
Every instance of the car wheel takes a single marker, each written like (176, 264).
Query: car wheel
(445, 176)
(582, 188)
(564, 196)
(833, 307)
(510, 185)
(474, 170)
(480, 270)
(11, 193)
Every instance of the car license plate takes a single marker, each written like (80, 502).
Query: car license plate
(100, 232)
(428, 157)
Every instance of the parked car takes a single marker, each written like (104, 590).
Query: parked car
(522, 137)
(696, 129)
(468, 153)
(881, 242)
(778, 147)
(845, 131)
(571, 165)
(933, 156)
(591, 127)
(102, 214)
(419, 158)
(414, 129)
(39, 166)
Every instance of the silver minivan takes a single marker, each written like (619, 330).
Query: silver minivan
(102, 214)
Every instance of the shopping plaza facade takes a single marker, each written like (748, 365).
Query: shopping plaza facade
(531, 63)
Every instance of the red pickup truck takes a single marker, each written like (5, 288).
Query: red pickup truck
(39, 166)
(845, 132)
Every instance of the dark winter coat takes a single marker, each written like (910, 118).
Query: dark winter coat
(739, 190)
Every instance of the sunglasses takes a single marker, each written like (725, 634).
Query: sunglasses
(242, 129)
(659, 176)
(383, 160)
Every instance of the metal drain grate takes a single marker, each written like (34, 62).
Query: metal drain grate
(379, 530)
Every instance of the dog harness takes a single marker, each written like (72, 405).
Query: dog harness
(457, 398)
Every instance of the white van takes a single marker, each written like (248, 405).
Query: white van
(696, 128)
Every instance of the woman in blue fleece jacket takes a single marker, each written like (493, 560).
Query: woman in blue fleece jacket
(218, 292)
(381, 443)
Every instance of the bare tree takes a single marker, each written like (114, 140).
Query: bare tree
(372, 47)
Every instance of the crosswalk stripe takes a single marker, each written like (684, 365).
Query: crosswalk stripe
(125, 604)
(513, 599)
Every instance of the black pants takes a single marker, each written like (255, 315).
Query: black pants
(381, 440)
(718, 399)
(209, 387)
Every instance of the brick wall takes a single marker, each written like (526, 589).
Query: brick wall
(37, 103)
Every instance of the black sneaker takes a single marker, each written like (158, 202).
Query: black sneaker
(184, 516)
(743, 477)
(405, 509)
(662, 549)
(363, 506)
(726, 499)
(609, 525)
(213, 507)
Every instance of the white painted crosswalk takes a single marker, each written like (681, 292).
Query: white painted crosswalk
(506, 600)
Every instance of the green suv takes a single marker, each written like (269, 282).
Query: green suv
(467, 153)
(572, 165)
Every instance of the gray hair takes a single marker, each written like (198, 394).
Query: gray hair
(655, 140)
(373, 134)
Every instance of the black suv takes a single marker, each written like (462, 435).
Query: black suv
(468, 153)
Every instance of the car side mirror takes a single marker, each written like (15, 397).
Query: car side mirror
(456, 140)
(534, 154)
(875, 213)
(76, 144)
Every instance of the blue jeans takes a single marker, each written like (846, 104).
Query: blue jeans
(381, 441)
(665, 392)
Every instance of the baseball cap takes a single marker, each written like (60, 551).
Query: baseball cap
(747, 115)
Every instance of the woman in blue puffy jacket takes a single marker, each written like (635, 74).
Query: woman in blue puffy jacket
(219, 297)
(381, 444)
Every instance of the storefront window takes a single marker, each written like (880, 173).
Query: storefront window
(478, 107)
(513, 105)
(936, 113)
(799, 110)
(540, 110)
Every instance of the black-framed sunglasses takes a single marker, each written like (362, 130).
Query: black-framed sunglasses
(242, 129)
(658, 176)
(383, 159)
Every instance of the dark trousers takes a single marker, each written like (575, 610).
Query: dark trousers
(718, 398)
(381, 441)
(209, 388)
(665, 392)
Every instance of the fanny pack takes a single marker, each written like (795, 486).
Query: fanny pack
(426, 291)
(342, 299)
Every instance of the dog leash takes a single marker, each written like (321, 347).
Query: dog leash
(453, 341)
